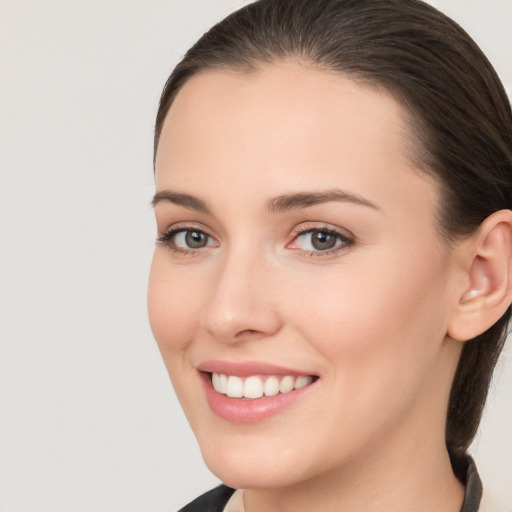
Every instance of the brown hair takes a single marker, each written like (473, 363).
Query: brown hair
(460, 118)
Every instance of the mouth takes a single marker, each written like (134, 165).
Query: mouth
(250, 393)
(253, 387)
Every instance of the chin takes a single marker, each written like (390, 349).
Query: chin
(247, 462)
(242, 475)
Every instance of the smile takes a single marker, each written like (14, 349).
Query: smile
(253, 391)
(256, 386)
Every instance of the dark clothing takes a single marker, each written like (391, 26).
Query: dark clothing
(465, 470)
(211, 501)
(463, 467)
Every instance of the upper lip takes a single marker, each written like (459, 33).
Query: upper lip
(247, 368)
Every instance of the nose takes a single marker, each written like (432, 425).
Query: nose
(242, 304)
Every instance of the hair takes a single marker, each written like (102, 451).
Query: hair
(458, 112)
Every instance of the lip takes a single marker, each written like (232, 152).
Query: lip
(243, 410)
(247, 368)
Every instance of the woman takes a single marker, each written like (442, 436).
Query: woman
(331, 284)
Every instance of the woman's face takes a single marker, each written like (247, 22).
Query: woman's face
(298, 248)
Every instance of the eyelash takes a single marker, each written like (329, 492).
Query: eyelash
(344, 239)
(167, 239)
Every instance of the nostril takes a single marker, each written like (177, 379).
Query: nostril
(246, 332)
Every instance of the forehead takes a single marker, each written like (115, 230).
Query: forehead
(294, 94)
(286, 123)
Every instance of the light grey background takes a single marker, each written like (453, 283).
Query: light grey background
(88, 419)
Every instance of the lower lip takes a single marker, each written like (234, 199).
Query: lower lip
(243, 410)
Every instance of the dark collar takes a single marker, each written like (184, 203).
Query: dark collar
(465, 470)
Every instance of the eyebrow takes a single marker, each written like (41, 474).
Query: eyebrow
(185, 200)
(279, 204)
(301, 200)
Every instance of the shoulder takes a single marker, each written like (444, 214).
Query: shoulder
(211, 501)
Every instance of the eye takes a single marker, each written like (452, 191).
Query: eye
(191, 239)
(186, 240)
(320, 240)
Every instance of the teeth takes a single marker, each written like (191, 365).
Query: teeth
(255, 387)
(302, 382)
(287, 384)
(271, 386)
(215, 380)
(223, 383)
(235, 387)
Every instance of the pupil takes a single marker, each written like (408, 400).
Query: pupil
(322, 241)
(195, 239)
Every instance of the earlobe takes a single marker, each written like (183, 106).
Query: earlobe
(488, 290)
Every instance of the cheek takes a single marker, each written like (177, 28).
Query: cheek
(173, 305)
(376, 331)
(380, 319)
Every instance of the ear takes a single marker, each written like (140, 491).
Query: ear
(487, 290)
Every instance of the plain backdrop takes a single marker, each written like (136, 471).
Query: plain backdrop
(88, 419)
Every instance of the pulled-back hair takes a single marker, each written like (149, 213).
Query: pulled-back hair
(458, 112)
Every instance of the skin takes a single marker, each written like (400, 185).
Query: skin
(370, 319)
